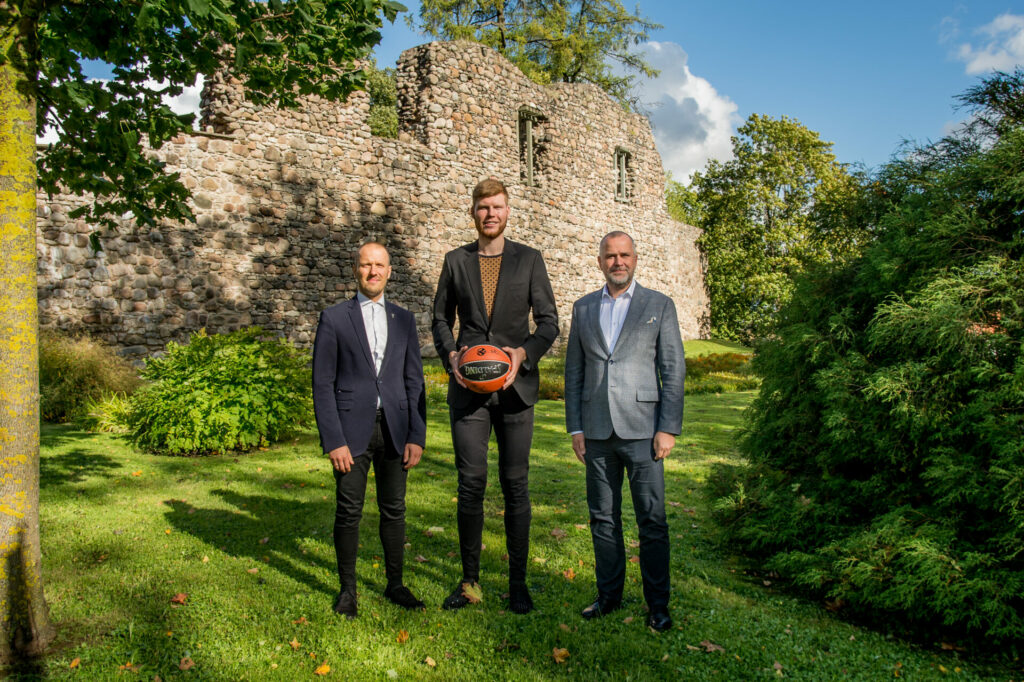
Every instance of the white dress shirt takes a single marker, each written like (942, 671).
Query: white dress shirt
(613, 313)
(375, 321)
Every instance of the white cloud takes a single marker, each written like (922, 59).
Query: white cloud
(185, 103)
(1001, 47)
(692, 121)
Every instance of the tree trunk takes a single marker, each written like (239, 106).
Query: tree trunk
(25, 628)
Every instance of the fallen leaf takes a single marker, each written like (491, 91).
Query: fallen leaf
(252, 570)
(473, 592)
(179, 598)
(301, 621)
(946, 646)
(581, 526)
(430, 662)
(264, 541)
(167, 532)
(206, 559)
(433, 530)
(627, 620)
(692, 647)
(136, 473)
(569, 574)
(778, 667)
(634, 559)
(75, 663)
(294, 644)
(943, 669)
(664, 658)
(403, 636)
(130, 667)
(186, 664)
(559, 534)
(420, 558)
(564, 626)
(710, 646)
(322, 669)
(539, 560)
(560, 655)
(634, 543)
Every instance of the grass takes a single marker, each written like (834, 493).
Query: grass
(248, 540)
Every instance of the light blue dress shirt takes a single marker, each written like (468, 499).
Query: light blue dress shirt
(376, 323)
(613, 313)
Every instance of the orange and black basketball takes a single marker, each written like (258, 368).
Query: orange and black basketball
(484, 368)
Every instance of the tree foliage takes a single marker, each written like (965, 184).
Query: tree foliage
(571, 41)
(781, 203)
(281, 50)
(383, 92)
(887, 444)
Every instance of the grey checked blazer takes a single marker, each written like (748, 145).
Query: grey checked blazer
(636, 390)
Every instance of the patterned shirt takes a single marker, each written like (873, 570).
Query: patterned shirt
(490, 267)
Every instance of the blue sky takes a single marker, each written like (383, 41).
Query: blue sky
(866, 76)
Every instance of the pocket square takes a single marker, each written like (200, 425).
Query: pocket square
(653, 319)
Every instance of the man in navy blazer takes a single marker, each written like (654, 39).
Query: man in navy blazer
(370, 405)
(624, 374)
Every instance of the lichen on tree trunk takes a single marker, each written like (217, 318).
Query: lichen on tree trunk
(25, 627)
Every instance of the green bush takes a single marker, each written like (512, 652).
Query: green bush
(75, 370)
(223, 392)
(383, 115)
(887, 442)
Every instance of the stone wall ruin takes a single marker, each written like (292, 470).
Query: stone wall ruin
(283, 197)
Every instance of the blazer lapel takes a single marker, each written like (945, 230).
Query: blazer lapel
(592, 325)
(637, 307)
(472, 271)
(355, 314)
(392, 333)
(509, 265)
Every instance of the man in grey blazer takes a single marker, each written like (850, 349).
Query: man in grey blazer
(624, 373)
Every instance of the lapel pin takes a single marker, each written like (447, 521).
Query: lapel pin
(651, 320)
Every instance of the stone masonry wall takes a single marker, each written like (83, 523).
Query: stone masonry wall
(283, 198)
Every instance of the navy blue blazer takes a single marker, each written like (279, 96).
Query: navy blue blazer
(346, 384)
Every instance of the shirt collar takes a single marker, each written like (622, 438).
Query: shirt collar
(364, 299)
(627, 293)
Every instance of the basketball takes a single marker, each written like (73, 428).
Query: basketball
(484, 368)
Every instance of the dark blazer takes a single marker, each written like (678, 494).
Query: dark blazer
(635, 390)
(522, 284)
(346, 384)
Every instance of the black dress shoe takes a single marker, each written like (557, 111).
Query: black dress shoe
(659, 620)
(401, 596)
(601, 607)
(345, 604)
(457, 599)
(519, 600)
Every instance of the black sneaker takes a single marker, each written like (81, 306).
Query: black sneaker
(458, 598)
(519, 600)
(401, 596)
(345, 604)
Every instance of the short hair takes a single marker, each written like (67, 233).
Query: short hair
(615, 234)
(488, 188)
(355, 254)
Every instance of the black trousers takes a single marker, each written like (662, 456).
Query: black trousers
(512, 422)
(606, 461)
(350, 489)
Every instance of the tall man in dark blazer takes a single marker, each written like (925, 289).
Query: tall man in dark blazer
(370, 404)
(624, 373)
(492, 285)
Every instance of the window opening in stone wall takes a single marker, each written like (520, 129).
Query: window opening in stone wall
(532, 146)
(623, 175)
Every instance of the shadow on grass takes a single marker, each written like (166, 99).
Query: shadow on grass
(74, 466)
(269, 530)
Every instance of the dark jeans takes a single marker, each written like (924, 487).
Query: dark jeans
(351, 491)
(512, 422)
(606, 461)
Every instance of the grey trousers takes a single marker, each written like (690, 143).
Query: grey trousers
(607, 460)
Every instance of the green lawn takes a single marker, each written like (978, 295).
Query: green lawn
(247, 539)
